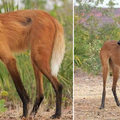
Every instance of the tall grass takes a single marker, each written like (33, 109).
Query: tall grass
(65, 75)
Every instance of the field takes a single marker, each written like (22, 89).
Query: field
(87, 98)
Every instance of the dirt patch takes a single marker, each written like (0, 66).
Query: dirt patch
(87, 98)
(67, 114)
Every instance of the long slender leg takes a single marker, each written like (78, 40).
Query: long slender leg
(10, 63)
(39, 89)
(115, 79)
(58, 99)
(105, 74)
(44, 67)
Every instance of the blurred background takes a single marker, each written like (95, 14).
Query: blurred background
(63, 11)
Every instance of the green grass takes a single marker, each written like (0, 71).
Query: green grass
(2, 108)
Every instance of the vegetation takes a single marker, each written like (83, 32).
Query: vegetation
(2, 108)
(90, 36)
(64, 14)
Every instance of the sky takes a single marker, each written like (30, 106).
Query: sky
(104, 3)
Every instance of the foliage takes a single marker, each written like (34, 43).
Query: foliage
(4, 93)
(109, 32)
(2, 108)
(34, 4)
(90, 36)
(80, 43)
(23, 60)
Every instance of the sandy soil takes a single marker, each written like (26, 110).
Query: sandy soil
(87, 98)
(43, 114)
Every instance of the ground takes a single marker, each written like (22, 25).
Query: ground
(43, 114)
(87, 98)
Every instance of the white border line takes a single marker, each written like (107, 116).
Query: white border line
(73, 59)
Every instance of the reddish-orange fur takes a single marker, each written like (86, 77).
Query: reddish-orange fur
(110, 57)
(18, 36)
(43, 35)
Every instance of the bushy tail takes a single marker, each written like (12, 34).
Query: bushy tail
(58, 49)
